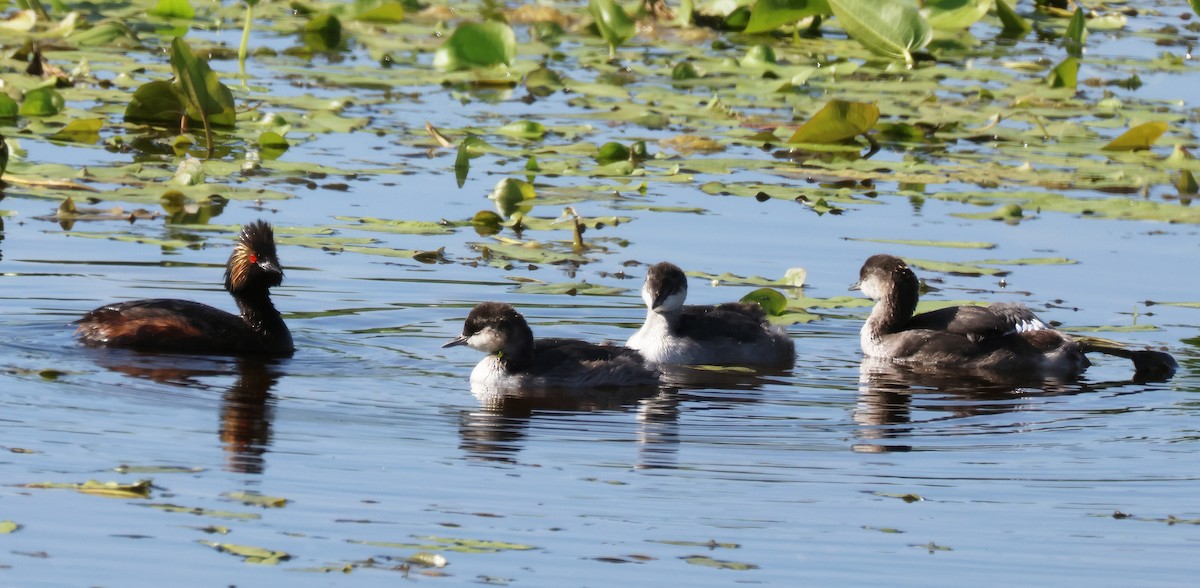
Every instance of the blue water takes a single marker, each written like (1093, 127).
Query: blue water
(815, 475)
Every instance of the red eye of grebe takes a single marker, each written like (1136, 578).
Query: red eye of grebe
(253, 258)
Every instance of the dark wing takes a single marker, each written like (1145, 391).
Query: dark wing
(164, 325)
(550, 352)
(978, 323)
(733, 320)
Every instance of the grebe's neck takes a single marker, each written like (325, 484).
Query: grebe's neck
(891, 312)
(261, 316)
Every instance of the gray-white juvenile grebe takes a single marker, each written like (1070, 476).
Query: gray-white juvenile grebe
(183, 326)
(516, 360)
(1001, 337)
(722, 334)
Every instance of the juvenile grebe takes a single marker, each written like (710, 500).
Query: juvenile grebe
(729, 333)
(183, 326)
(1001, 337)
(517, 360)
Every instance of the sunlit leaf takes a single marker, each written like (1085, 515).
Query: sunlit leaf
(614, 23)
(80, 131)
(398, 227)
(524, 129)
(255, 555)
(388, 11)
(157, 102)
(932, 243)
(203, 92)
(7, 527)
(768, 15)
(139, 489)
(8, 107)
(771, 301)
(612, 152)
(892, 28)
(1076, 34)
(512, 196)
(837, 121)
(253, 499)
(954, 15)
(706, 561)
(173, 9)
(1014, 25)
(44, 101)
(477, 45)
(1065, 74)
(569, 288)
(1140, 137)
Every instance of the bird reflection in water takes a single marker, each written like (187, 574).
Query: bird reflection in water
(497, 430)
(247, 406)
(887, 391)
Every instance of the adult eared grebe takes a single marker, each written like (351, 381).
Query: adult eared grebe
(517, 360)
(1002, 337)
(729, 333)
(183, 326)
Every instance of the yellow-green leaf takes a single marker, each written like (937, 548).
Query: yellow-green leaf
(892, 28)
(1137, 138)
(838, 121)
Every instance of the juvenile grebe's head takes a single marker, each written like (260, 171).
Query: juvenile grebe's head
(887, 276)
(665, 288)
(494, 327)
(253, 263)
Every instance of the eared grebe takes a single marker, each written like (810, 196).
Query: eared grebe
(182, 326)
(1001, 337)
(517, 360)
(724, 334)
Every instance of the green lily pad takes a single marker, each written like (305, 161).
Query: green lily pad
(43, 101)
(613, 22)
(203, 512)
(8, 527)
(80, 131)
(139, 489)
(398, 227)
(477, 45)
(931, 243)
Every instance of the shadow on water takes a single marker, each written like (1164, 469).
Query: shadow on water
(247, 406)
(887, 392)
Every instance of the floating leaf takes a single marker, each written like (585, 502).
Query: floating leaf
(385, 11)
(1065, 74)
(771, 301)
(322, 32)
(45, 101)
(768, 15)
(612, 152)
(524, 129)
(398, 227)
(1187, 183)
(512, 196)
(156, 102)
(80, 131)
(569, 288)
(477, 45)
(139, 489)
(8, 107)
(837, 121)
(954, 15)
(220, 514)
(7, 527)
(256, 555)
(892, 28)
(704, 560)
(173, 9)
(1137, 138)
(253, 499)
(931, 243)
(128, 469)
(1076, 34)
(613, 22)
(272, 145)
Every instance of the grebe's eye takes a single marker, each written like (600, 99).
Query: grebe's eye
(253, 258)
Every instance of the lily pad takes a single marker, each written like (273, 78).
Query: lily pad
(250, 553)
